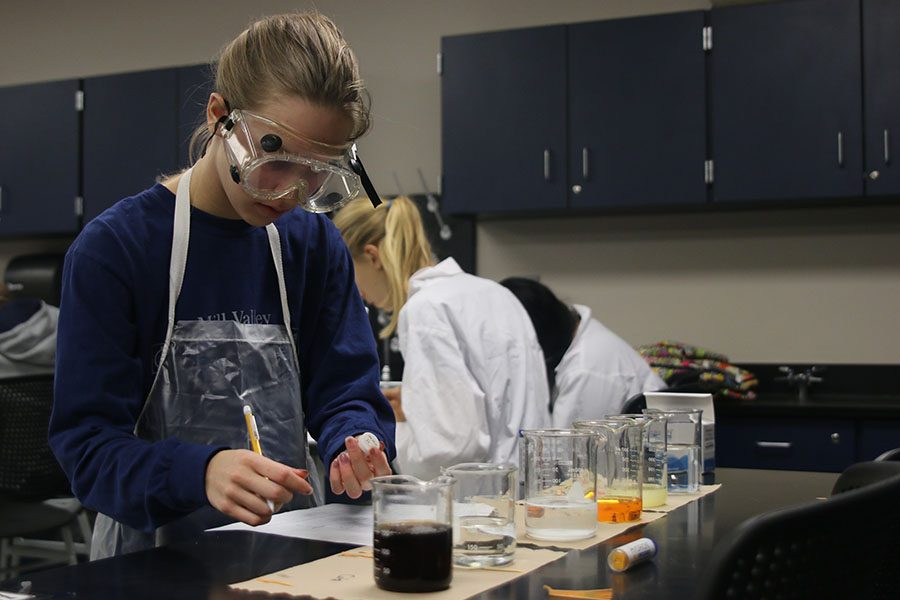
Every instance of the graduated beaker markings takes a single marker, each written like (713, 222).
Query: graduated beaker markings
(413, 535)
(484, 527)
(560, 484)
(485, 536)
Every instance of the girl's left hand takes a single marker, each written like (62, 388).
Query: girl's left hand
(351, 470)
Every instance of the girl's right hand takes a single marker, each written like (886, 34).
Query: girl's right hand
(238, 483)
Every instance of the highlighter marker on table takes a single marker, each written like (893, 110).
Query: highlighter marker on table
(253, 432)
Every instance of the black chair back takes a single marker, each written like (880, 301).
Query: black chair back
(863, 474)
(892, 454)
(28, 469)
(847, 546)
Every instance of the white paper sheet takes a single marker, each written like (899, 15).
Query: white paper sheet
(341, 523)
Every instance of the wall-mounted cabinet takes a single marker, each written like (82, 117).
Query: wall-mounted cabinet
(881, 92)
(130, 128)
(786, 103)
(503, 108)
(137, 127)
(530, 120)
(637, 112)
(75, 147)
(773, 103)
(39, 159)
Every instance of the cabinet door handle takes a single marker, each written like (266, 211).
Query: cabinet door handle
(840, 149)
(835, 438)
(585, 163)
(779, 445)
(546, 165)
(887, 147)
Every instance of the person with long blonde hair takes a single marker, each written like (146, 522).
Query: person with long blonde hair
(474, 374)
(208, 314)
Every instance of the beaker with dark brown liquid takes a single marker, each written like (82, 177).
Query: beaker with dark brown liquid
(413, 557)
(413, 535)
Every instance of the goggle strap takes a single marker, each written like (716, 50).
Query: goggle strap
(359, 169)
(219, 123)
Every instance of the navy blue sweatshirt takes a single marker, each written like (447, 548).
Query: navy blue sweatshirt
(112, 326)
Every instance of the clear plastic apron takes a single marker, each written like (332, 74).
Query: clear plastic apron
(208, 371)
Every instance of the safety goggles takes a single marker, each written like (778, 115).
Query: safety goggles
(271, 162)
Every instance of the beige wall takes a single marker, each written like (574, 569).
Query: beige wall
(815, 285)
(786, 286)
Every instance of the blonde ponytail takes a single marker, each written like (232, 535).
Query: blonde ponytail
(395, 228)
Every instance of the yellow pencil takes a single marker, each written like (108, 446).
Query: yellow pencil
(253, 432)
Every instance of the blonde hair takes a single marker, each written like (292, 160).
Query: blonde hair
(395, 228)
(297, 54)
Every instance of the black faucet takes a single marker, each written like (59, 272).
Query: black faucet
(801, 380)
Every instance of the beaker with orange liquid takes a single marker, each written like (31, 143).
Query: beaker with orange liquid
(620, 450)
(655, 482)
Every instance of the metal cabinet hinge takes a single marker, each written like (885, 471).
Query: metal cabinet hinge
(440, 184)
(79, 206)
(79, 100)
(708, 171)
(440, 63)
(707, 38)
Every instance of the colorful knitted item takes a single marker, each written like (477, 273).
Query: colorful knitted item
(672, 349)
(691, 368)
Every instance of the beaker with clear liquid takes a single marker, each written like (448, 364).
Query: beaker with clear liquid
(620, 468)
(684, 432)
(560, 483)
(413, 535)
(484, 523)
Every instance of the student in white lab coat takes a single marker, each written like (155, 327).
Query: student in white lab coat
(591, 370)
(473, 373)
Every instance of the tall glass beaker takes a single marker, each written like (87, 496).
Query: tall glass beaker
(619, 468)
(654, 489)
(684, 434)
(560, 483)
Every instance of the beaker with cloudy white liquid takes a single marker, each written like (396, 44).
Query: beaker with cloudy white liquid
(560, 484)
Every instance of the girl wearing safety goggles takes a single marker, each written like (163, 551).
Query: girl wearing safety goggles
(207, 323)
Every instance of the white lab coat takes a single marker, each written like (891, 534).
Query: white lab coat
(474, 373)
(598, 373)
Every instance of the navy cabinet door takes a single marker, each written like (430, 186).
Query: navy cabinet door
(637, 111)
(503, 109)
(792, 444)
(881, 94)
(130, 124)
(195, 83)
(786, 102)
(38, 159)
(877, 437)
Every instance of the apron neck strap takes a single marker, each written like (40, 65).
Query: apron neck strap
(275, 247)
(181, 233)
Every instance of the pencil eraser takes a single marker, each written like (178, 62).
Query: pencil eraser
(367, 441)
